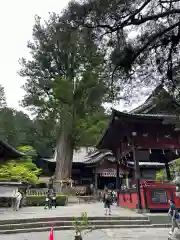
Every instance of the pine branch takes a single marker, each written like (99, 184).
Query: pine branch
(154, 38)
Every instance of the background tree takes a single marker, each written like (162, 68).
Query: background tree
(65, 82)
(2, 97)
(15, 127)
(174, 168)
(142, 38)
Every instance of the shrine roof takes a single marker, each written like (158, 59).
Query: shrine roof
(102, 156)
(151, 102)
(143, 116)
(8, 152)
(78, 155)
(147, 112)
(110, 135)
(98, 157)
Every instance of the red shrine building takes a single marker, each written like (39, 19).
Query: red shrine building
(132, 149)
(150, 134)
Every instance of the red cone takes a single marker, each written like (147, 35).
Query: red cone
(51, 234)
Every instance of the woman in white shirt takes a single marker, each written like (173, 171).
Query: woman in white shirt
(18, 200)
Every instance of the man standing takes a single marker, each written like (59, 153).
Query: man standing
(18, 198)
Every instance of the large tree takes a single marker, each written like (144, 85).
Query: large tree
(65, 81)
(143, 38)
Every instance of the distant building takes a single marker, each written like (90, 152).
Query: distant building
(7, 152)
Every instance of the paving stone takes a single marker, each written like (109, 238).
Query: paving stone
(112, 234)
(93, 209)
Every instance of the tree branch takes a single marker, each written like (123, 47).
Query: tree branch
(132, 16)
(154, 17)
(169, 1)
(135, 21)
(153, 39)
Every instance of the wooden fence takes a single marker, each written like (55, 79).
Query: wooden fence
(65, 190)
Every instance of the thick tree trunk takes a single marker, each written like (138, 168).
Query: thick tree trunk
(64, 157)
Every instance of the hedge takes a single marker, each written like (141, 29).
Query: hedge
(39, 200)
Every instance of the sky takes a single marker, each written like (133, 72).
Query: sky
(16, 22)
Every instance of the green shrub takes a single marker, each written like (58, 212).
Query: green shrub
(39, 200)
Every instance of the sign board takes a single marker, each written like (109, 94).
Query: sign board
(159, 196)
(109, 172)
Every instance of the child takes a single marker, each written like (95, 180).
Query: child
(107, 201)
(174, 215)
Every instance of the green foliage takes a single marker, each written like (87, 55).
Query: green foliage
(80, 223)
(142, 42)
(89, 129)
(66, 80)
(16, 128)
(76, 75)
(37, 200)
(29, 151)
(174, 167)
(20, 171)
(23, 169)
(161, 174)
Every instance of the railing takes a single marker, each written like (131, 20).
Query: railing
(59, 190)
(37, 191)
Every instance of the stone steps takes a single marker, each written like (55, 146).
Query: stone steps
(56, 218)
(13, 226)
(69, 224)
(66, 223)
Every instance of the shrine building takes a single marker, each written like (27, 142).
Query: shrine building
(153, 125)
(149, 133)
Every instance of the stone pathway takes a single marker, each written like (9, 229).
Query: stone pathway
(92, 209)
(108, 234)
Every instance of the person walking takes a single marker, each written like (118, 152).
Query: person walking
(107, 201)
(18, 198)
(14, 200)
(173, 213)
(54, 198)
(48, 201)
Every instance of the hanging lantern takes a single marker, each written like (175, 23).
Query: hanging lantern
(134, 134)
(150, 151)
(163, 152)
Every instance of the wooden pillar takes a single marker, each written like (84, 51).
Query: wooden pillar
(96, 181)
(127, 180)
(168, 171)
(117, 181)
(137, 177)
